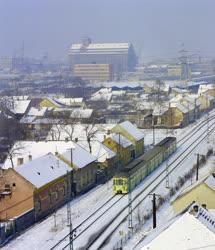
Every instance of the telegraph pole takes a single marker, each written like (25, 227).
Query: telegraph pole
(118, 151)
(153, 132)
(197, 168)
(208, 127)
(130, 217)
(154, 212)
(167, 174)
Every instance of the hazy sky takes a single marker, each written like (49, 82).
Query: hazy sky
(157, 28)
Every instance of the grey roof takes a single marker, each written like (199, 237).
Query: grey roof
(102, 48)
(43, 170)
(132, 130)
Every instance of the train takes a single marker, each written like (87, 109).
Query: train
(135, 172)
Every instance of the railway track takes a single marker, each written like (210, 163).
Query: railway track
(101, 236)
(194, 130)
(98, 213)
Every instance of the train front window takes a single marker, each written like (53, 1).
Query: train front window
(120, 182)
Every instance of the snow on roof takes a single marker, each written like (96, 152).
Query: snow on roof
(37, 112)
(185, 231)
(69, 101)
(193, 99)
(120, 139)
(99, 150)
(104, 94)
(132, 130)
(43, 170)
(118, 92)
(20, 97)
(121, 84)
(99, 46)
(46, 121)
(81, 113)
(204, 87)
(159, 110)
(22, 149)
(27, 119)
(180, 107)
(210, 181)
(20, 106)
(81, 158)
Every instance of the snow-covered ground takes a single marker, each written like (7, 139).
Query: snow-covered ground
(45, 234)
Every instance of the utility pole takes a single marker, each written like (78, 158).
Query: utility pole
(154, 212)
(153, 132)
(167, 174)
(130, 217)
(118, 151)
(208, 128)
(68, 198)
(72, 173)
(69, 219)
(197, 168)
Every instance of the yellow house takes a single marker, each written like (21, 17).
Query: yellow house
(202, 192)
(133, 134)
(123, 148)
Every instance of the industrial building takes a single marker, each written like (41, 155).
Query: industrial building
(94, 72)
(120, 55)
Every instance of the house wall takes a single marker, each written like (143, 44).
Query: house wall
(123, 154)
(139, 145)
(201, 194)
(51, 196)
(85, 177)
(21, 198)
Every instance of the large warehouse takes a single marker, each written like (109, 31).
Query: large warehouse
(120, 55)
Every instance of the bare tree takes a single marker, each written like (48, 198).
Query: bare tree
(90, 131)
(56, 131)
(15, 151)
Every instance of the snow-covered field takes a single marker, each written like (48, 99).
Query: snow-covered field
(45, 234)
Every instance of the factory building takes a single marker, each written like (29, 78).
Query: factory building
(120, 55)
(94, 72)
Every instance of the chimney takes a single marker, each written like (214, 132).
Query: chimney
(204, 206)
(30, 157)
(20, 161)
(76, 139)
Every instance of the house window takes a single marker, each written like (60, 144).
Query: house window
(38, 205)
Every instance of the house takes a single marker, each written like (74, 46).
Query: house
(123, 148)
(192, 229)
(207, 89)
(51, 180)
(83, 162)
(71, 102)
(27, 121)
(81, 114)
(133, 134)
(202, 192)
(16, 107)
(16, 195)
(84, 166)
(106, 158)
